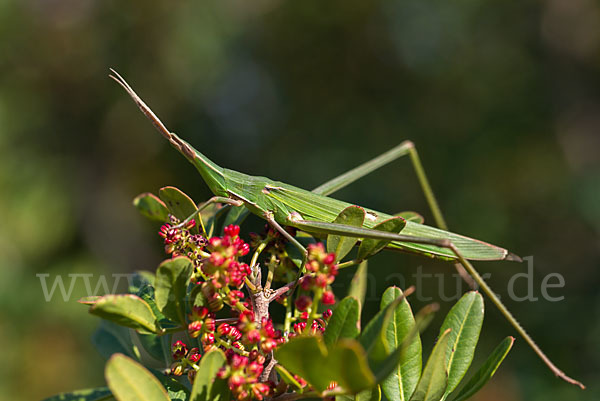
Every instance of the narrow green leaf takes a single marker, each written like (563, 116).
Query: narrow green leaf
(465, 319)
(434, 380)
(373, 337)
(151, 207)
(172, 278)
(487, 370)
(403, 379)
(411, 216)
(353, 216)
(358, 285)
(127, 310)
(344, 322)
(179, 204)
(130, 381)
(204, 389)
(92, 394)
(369, 247)
(384, 368)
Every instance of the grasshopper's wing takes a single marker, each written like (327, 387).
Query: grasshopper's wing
(316, 211)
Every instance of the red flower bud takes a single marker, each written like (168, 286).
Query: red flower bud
(232, 230)
(195, 328)
(214, 242)
(224, 329)
(328, 298)
(255, 369)
(268, 345)
(253, 336)
(303, 302)
(179, 350)
(244, 249)
(191, 375)
(208, 339)
(329, 259)
(194, 355)
(209, 324)
(177, 369)
(327, 314)
(234, 334)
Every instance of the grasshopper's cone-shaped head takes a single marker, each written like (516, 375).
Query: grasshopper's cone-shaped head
(211, 173)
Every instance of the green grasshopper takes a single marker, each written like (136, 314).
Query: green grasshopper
(316, 213)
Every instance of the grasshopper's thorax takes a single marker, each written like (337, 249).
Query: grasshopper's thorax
(211, 173)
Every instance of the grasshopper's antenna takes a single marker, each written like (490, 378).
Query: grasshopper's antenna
(143, 106)
(171, 137)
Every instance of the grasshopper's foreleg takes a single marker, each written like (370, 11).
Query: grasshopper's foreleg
(340, 229)
(204, 205)
(271, 220)
(405, 148)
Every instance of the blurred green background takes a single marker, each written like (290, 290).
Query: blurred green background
(501, 98)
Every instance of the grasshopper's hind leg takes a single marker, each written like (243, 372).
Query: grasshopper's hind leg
(403, 149)
(350, 231)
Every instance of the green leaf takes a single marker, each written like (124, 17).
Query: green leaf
(130, 381)
(373, 338)
(236, 216)
(373, 394)
(369, 247)
(172, 278)
(109, 339)
(353, 216)
(384, 368)
(358, 285)
(487, 370)
(179, 204)
(151, 344)
(434, 380)
(306, 356)
(127, 310)
(141, 278)
(344, 323)
(91, 300)
(465, 319)
(175, 390)
(345, 363)
(152, 207)
(204, 388)
(411, 216)
(403, 380)
(92, 394)
(348, 361)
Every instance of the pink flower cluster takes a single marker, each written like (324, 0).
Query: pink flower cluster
(323, 270)
(184, 359)
(223, 267)
(243, 374)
